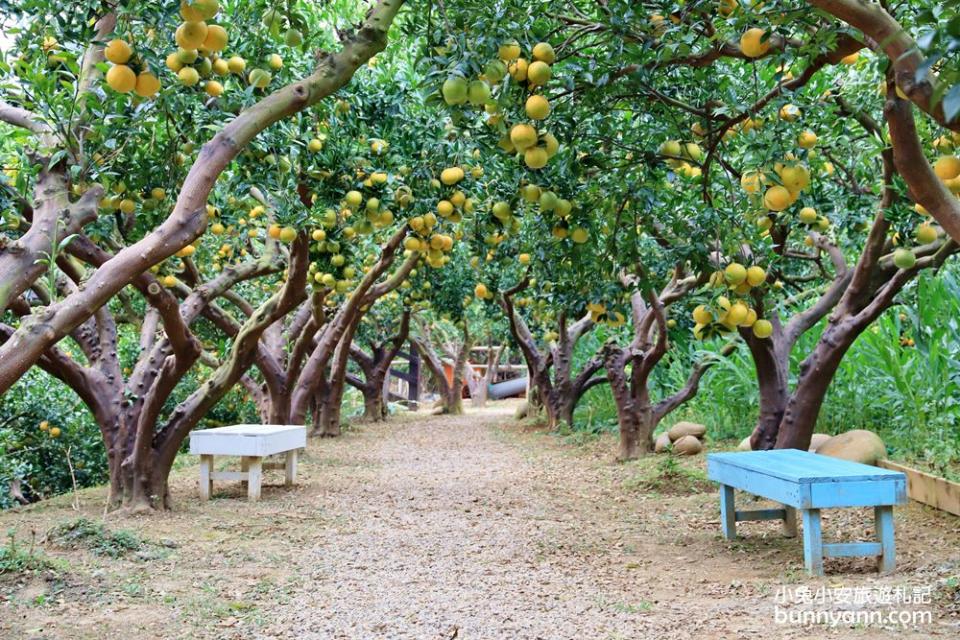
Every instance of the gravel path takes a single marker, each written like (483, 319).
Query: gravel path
(447, 539)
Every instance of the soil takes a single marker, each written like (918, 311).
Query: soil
(468, 527)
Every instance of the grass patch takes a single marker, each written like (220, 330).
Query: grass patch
(17, 559)
(669, 476)
(94, 536)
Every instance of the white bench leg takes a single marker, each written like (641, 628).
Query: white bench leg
(290, 468)
(244, 468)
(254, 477)
(812, 542)
(206, 482)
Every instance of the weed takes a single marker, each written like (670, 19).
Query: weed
(15, 559)
(96, 537)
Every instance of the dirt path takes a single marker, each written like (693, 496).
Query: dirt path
(459, 527)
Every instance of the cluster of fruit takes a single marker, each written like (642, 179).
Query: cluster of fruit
(537, 147)
(599, 313)
(121, 76)
(559, 208)
(724, 315)
(53, 431)
(199, 47)
(679, 155)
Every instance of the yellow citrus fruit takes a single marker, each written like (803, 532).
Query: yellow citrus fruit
(147, 85)
(551, 144)
(121, 78)
(537, 107)
(220, 67)
(287, 234)
(752, 43)
(947, 167)
(191, 35)
(535, 157)
(756, 276)
(236, 64)
(762, 329)
(808, 215)
(481, 290)
(275, 61)
(523, 136)
(117, 51)
(213, 88)
(926, 233)
(789, 112)
(750, 182)
(216, 39)
(259, 78)
(524, 258)
(807, 140)
(173, 62)
(850, 59)
(509, 51)
(544, 52)
(579, 235)
(702, 315)
(777, 198)
(55, 432)
(451, 175)
(189, 76)
(795, 178)
(538, 73)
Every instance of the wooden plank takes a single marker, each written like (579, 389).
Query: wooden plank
(858, 493)
(777, 489)
(240, 476)
(928, 488)
(801, 466)
(761, 514)
(852, 549)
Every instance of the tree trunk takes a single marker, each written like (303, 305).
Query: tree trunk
(773, 381)
(816, 375)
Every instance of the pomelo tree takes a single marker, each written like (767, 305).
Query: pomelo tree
(69, 93)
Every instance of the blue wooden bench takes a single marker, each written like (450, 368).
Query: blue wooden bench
(810, 482)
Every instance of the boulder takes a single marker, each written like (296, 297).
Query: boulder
(858, 445)
(817, 440)
(682, 429)
(662, 443)
(744, 445)
(688, 446)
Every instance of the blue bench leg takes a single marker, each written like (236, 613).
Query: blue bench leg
(812, 542)
(728, 513)
(789, 522)
(884, 525)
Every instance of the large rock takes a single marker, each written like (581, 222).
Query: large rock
(682, 429)
(687, 446)
(662, 443)
(744, 445)
(858, 445)
(818, 439)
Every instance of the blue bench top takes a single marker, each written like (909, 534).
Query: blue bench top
(804, 467)
(807, 480)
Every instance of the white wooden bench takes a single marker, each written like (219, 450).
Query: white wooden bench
(252, 443)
